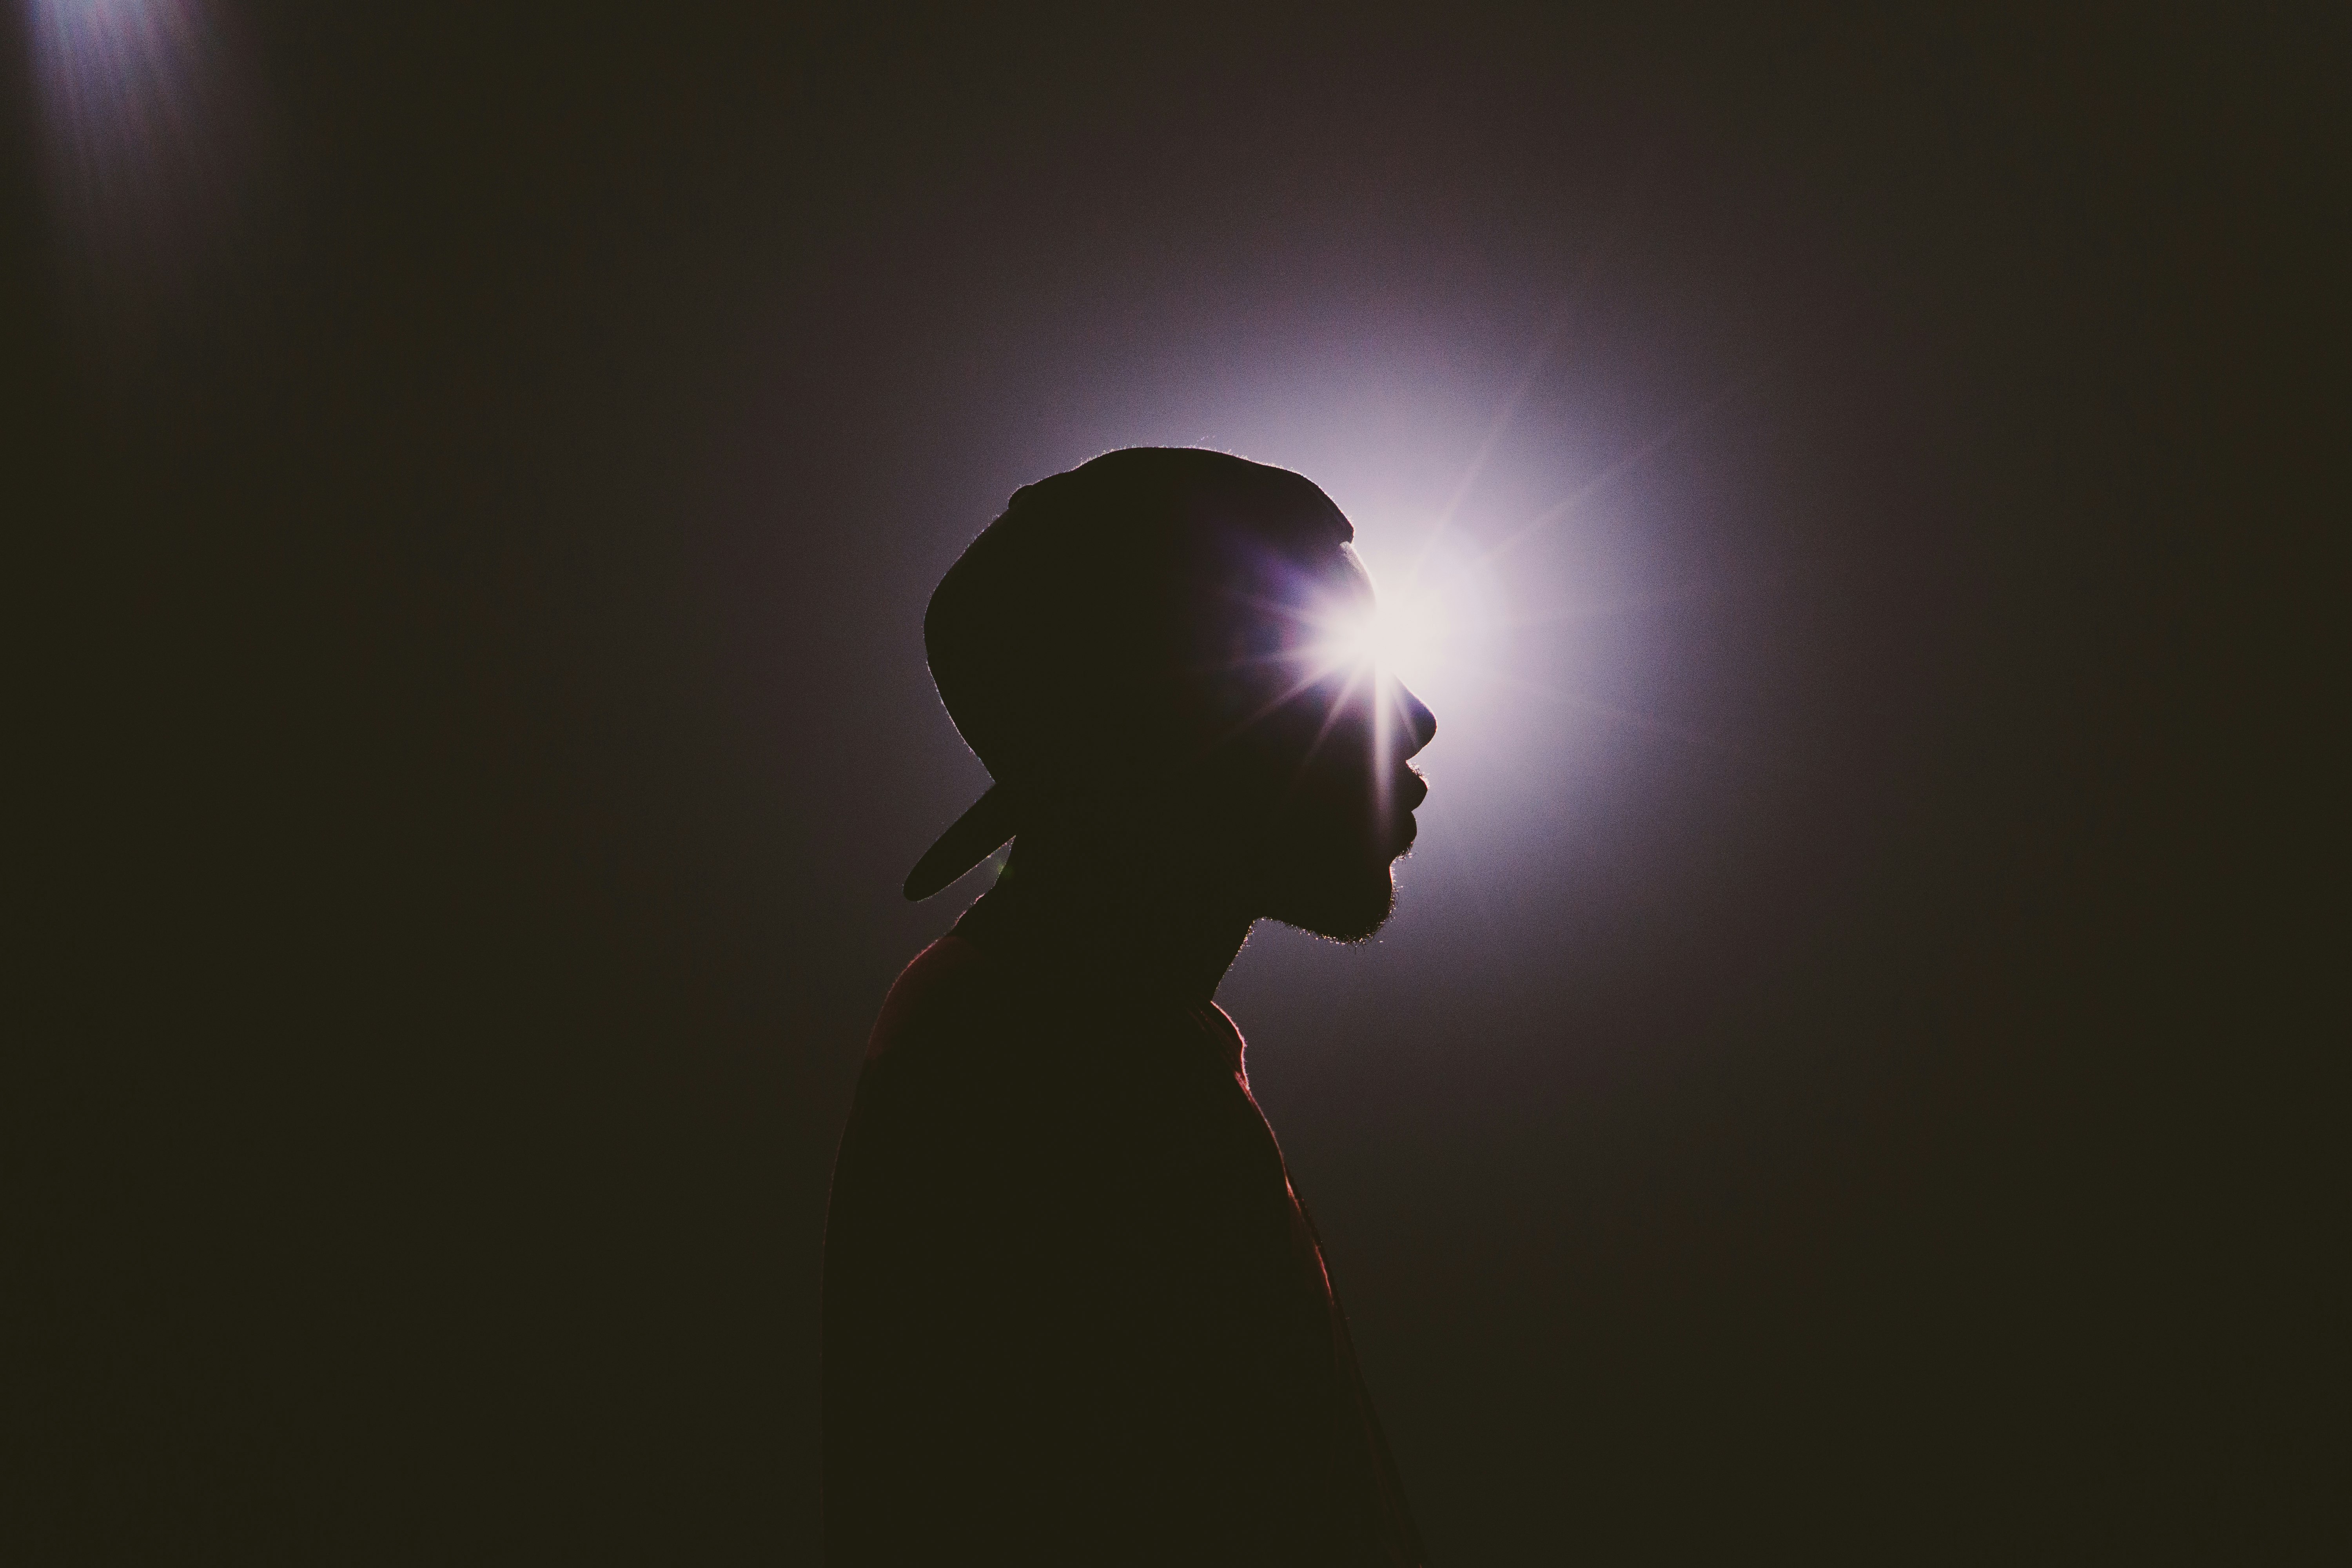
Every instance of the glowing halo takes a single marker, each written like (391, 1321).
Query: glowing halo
(1426, 623)
(1399, 632)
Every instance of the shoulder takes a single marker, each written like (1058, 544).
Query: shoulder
(946, 982)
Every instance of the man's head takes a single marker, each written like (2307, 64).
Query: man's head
(1158, 650)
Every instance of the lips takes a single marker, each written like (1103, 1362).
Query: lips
(1410, 791)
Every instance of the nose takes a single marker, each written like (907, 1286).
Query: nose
(1420, 723)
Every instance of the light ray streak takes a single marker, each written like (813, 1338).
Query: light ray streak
(144, 129)
(1505, 415)
(1654, 601)
(1502, 422)
(1274, 705)
(1509, 410)
(1647, 725)
(1625, 606)
(1254, 660)
(1396, 700)
(1335, 652)
(1286, 609)
(1330, 719)
(1608, 476)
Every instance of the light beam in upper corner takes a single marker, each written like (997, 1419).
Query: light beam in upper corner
(142, 122)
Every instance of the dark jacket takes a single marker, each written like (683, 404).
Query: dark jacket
(1072, 1312)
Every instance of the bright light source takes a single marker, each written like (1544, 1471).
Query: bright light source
(1399, 635)
(1427, 621)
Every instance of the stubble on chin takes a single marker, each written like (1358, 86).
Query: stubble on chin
(1348, 911)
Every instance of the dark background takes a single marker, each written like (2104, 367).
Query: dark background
(1848, 1081)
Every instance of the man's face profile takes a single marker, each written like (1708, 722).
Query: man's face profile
(1162, 657)
(1321, 767)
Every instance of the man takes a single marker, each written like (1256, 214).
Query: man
(1073, 1311)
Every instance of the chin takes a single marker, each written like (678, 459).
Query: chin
(1347, 907)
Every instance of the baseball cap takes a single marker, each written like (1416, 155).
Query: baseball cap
(1111, 626)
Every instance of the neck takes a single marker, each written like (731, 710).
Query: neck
(1174, 919)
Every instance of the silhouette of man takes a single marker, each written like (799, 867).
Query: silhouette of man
(1074, 1313)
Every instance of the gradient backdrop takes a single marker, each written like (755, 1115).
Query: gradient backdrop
(1839, 1086)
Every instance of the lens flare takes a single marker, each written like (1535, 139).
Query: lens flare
(1396, 635)
(1426, 621)
(143, 123)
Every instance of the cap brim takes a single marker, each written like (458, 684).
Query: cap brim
(968, 841)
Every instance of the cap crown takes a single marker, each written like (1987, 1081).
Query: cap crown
(1120, 616)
